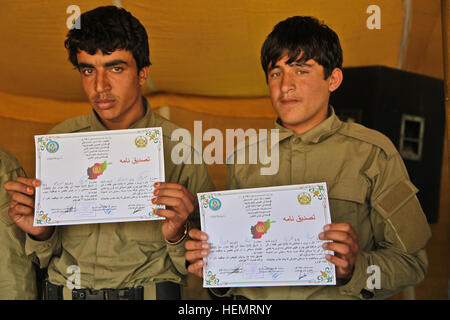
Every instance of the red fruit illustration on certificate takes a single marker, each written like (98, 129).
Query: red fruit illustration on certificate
(96, 170)
(260, 229)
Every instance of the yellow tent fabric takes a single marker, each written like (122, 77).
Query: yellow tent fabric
(200, 47)
(204, 48)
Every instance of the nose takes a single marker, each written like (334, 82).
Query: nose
(287, 83)
(101, 82)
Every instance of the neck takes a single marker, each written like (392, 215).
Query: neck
(301, 128)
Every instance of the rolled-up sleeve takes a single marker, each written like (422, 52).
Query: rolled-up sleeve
(42, 251)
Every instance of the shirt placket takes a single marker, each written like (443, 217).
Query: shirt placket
(298, 160)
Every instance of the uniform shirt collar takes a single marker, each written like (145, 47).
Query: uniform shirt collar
(97, 125)
(317, 134)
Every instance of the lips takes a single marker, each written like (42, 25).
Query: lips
(288, 101)
(104, 103)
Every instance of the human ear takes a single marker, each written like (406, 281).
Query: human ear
(335, 79)
(143, 74)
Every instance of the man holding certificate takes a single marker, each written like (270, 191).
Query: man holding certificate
(18, 276)
(120, 260)
(378, 231)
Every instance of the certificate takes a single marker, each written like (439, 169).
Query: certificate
(96, 177)
(266, 236)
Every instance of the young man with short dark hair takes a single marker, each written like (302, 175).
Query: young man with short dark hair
(376, 217)
(130, 260)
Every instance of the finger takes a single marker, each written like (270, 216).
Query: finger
(195, 255)
(196, 245)
(17, 218)
(341, 226)
(338, 248)
(32, 182)
(17, 186)
(176, 191)
(177, 194)
(197, 268)
(20, 198)
(197, 234)
(338, 262)
(339, 236)
(19, 210)
(166, 213)
(174, 186)
(176, 204)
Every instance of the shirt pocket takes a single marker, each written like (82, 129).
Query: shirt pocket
(346, 197)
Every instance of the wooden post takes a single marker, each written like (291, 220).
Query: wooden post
(445, 18)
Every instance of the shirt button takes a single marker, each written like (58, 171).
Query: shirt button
(296, 140)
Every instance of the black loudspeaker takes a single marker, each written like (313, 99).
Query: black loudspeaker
(408, 108)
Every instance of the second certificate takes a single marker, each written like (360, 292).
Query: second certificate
(266, 236)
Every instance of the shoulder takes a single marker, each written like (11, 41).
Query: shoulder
(80, 123)
(10, 168)
(248, 141)
(366, 135)
(8, 162)
(172, 133)
(167, 126)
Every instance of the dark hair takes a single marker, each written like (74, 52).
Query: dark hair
(107, 29)
(306, 35)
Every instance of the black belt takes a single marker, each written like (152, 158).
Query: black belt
(109, 294)
(164, 291)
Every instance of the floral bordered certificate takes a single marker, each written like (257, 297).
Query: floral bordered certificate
(97, 177)
(266, 236)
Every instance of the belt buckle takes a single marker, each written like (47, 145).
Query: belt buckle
(134, 293)
(88, 294)
(95, 295)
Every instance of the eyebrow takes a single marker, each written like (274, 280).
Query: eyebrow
(85, 65)
(107, 64)
(294, 63)
(115, 63)
(274, 66)
(301, 64)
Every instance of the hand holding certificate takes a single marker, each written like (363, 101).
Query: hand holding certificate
(98, 177)
(266, 236)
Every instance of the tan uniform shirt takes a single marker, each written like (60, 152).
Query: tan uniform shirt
(368, 187)
(128, 254)
(17, 274)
